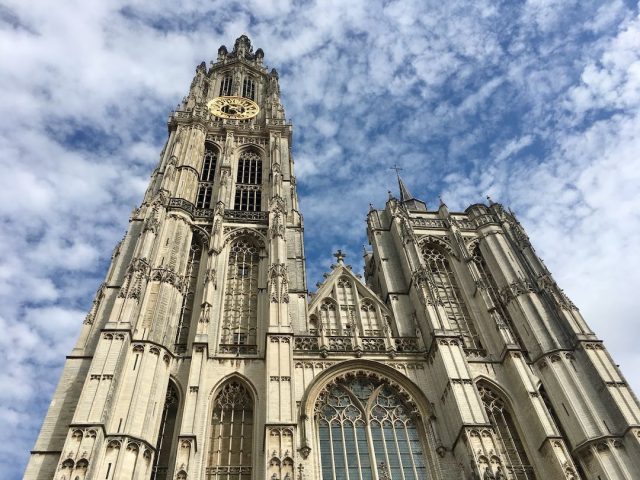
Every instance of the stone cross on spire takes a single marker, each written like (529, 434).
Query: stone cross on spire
(340, 256)
(397, 169)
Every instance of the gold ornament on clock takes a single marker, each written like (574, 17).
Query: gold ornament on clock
(233, 108)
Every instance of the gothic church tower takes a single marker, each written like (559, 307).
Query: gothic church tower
(203, 357)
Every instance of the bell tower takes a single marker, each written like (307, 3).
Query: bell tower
(203, 356)
(183, 365)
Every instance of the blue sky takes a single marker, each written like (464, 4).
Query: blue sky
(536, 103)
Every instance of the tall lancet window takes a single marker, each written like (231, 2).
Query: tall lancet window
(241, 298)
(346, 300)
(249, 182)
(231, 438)
(249, 88)
(329, 318)
(370, 322)
(445, 287)
(225, 85)
(366, 432)
(164, 447)
(489, 283)
(188, 299)
(511, 447)
(205, 187)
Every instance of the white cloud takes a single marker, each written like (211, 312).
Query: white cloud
(537, 105)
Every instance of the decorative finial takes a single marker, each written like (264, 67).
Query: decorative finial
(340, 256)
(441, 201)
(491, 202)
(371, 208)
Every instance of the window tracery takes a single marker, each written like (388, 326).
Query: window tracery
(445, 287)
(249, 182)
(370, 321)
(168, 422)
(226, 85)
(511, 447)
(488, 282)
(231, 440)
(241, 296)
(188, 299)
(345, 292)
(249, 88)
(365, 431)
(205, 186)
(329, 318)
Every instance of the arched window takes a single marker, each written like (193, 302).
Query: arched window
(164, 447)
(241, 298)
(330, 318)
(231, 441)
(365, 432)
(345, 292)
(511, 447)
(369, 317)
(489, 283)
(225, 85)
(188, 299)
(249, 182)
(205, 187)
(209, 164)
(249, 88)
(448, 293)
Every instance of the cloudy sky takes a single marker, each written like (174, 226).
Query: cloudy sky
(536, 103)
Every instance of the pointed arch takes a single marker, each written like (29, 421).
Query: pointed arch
(240, 300)
(371, 323)
(165, 448)
(207, 175)
(329, 317)
(498, 407)
(226, 84)
(486, 281)
(231, 430)
(472, 245)
(195, 262)
(444, 287)
(248, 196)
(439, 241)
(257, 237)
(368, 418)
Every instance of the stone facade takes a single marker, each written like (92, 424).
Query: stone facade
(203, 357)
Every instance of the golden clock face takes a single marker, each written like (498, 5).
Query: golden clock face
(234, 108)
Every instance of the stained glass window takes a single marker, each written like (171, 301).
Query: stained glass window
(365, 432)
(231, 438)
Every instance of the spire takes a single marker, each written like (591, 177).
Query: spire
(405, 195)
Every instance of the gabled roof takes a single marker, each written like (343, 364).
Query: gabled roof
(341, 270)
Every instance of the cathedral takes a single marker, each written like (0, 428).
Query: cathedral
(205, 357)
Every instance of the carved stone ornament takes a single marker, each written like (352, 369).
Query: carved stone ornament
(305, 450)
